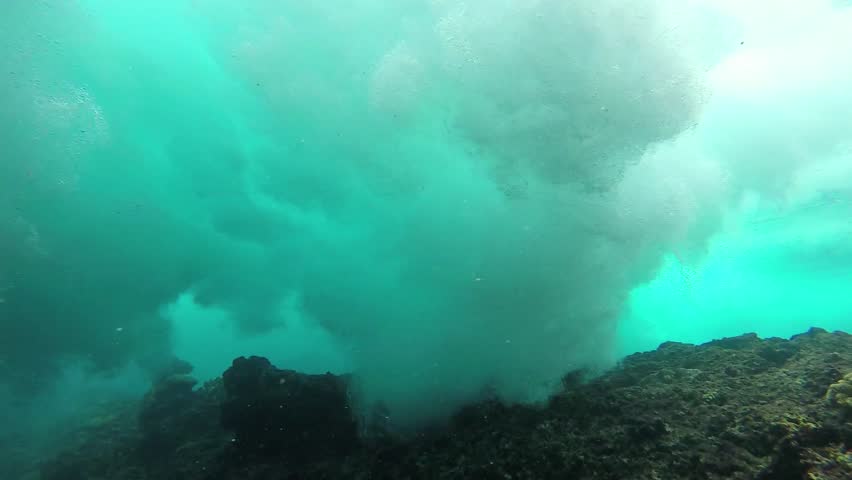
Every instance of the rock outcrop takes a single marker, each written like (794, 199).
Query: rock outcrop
(286, 414)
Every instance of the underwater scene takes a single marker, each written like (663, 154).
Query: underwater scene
(425, 239)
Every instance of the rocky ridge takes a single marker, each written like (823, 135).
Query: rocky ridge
(735, 408)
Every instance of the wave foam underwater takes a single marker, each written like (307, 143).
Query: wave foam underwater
(444, 196)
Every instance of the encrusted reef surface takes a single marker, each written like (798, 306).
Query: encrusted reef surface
(735, 408)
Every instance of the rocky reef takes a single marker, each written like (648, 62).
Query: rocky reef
(735, 408)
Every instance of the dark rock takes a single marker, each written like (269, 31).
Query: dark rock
(674, 345)
(813, 331)
(276, 412)
(787, 463)
(162, 415)
(479, 414)
(160, 366)
(178, 431)
(647, 430)
(574, 378)
(778, 354)
(735, 343)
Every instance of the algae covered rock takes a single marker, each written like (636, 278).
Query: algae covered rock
(162, 413)
(840, 394)
(174, 415)
(741, 408)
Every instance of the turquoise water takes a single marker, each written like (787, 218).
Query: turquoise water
(441, 196)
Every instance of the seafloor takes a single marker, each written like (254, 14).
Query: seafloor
(736, 408)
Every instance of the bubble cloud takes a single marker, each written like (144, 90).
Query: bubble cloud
(448, 198)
